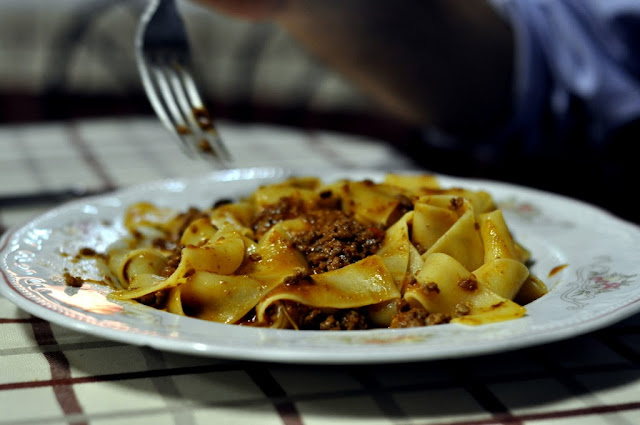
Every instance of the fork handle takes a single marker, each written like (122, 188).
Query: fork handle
(172, 33)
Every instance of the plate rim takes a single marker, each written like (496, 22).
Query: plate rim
(282, 355)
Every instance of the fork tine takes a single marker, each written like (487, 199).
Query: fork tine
(158, 104)
(179, 91)
(162, 52)
(197, 113)
(159, 92)
(200, 138)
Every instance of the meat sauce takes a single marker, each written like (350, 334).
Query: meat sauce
(335, 240)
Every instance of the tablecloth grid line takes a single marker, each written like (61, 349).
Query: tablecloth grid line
(286, 409)
(23, 320)
(148, 152)
(620, 348)
(103, 155)
(564, 377)
(98, 156)
(95, 164)
(28, 161)
(59, 367)
(532, 418)
(148, 374)
(528, 418)
(387, 405)
(80, 346)
(166, 388)
(231, 366)
(481, 393)
(537, 353)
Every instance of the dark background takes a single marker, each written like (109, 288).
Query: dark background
(85, 68)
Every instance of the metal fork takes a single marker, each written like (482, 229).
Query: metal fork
(164, 63)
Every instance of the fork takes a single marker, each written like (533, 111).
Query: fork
(164, 62)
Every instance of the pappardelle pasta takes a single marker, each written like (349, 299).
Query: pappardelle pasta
(304, 254)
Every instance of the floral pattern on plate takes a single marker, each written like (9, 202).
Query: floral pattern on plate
(587, 258)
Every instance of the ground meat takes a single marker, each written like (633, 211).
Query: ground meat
(186, 218)
(437, 319)
(417, 316)
(468, 284)
(433, 287)
(353, 320)
(329, 324)
(462, 309)
(456, 203)
(296, 312)
(255, 257)
(299, 276)
(286, 208)
(336, 240)
(329, 201)
(342, 320)
(309, 318)
(160, 243)
(87, 252)
(155, 299)
(221, 202)
(405, 204)
(172, 262)
(413, 317)
(72, 281)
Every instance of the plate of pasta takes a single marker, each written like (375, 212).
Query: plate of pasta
(334, 267)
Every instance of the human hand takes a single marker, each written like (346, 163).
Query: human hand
(247, 9)
(446, 63)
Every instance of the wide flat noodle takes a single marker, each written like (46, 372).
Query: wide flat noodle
(430, 222)
(224, 253)
(128, 265)
(278, 259)
(301, 188)
(446, 286)
(497, 240)
(462, 241)
(359, 284)
(416, 184)
(396, 249)
(432, 251)
(220, 298)
(369, 202)
(223, 298)
(503, 276)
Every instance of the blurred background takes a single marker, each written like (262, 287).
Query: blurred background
(74, 58)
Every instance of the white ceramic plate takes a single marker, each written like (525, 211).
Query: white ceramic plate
(599, 285)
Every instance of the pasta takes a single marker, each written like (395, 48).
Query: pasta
(304, 254)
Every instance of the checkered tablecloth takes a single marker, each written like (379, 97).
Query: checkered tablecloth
(52, 375)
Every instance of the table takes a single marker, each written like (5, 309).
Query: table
(51, 375)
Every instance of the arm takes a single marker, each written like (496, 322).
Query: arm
(446, 63)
